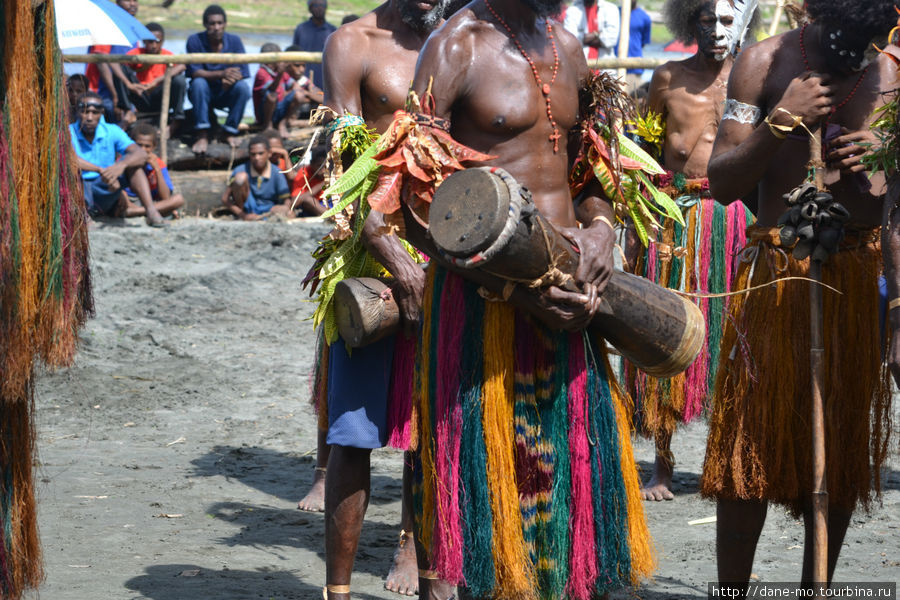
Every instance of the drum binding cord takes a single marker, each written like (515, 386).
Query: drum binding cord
(521, 209)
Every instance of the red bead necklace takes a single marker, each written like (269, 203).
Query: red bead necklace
(544, 87)
(862, 75)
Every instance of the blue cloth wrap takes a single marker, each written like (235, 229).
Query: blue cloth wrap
(358, 386)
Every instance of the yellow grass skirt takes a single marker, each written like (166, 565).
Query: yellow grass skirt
(760, 445)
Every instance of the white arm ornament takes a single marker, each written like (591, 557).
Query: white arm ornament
(742, 113)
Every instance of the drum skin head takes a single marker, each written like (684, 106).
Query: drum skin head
(469, 211)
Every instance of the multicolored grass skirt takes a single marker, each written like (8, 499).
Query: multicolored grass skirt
(760, 437)
(698, 257)
(45, 291)
(527, 486)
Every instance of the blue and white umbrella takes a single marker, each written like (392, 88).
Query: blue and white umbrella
(82, 23)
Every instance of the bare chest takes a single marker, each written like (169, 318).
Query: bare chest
(518, 93)
(385, 86)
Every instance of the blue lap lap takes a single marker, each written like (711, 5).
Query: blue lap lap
(358, 385)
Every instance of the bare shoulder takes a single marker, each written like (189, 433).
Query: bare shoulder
(571, 50)
(352, 40)
(665, 73)
(453, 43)
(569, 44)
(762, 54)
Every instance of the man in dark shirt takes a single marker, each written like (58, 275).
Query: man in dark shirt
(217, 85)
(311, 34)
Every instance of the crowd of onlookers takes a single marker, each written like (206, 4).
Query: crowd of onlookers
(124, 176)
(122, 173)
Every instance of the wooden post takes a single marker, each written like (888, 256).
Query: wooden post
(164, 116)
(779, 7)
(817, 375)
(624, 35)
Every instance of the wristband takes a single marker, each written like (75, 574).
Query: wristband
(781, 131)
(893, 304)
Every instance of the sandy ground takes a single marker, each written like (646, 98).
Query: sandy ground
(172, 454)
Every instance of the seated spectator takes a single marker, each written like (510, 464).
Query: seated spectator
(257, 187)
(162, 191)
(307, 182)
(145, 92)
(278, 154)
(216, 85)
(310, 95)
(310, 36)
(110, 80)
(109, 160)
(274, 97)
(76, 85)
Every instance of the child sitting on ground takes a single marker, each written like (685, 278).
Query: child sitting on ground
(166, 201)
(257, 187)
(306, 182)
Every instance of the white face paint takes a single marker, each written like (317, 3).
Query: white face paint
(724, 24)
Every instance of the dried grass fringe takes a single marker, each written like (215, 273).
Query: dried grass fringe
(759, 445)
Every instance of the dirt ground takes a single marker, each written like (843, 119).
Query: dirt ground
(173, 453)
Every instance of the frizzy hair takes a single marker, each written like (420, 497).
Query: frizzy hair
(869, 18)
(681, 17)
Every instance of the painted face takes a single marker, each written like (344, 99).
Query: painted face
(715, 29)
(423, 15)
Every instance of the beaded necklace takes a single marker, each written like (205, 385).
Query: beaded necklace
(862, 75)
(544, 87)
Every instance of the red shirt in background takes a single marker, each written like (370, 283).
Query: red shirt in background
(148, 73)
(304, 180)
(591, 16)
(92, 72)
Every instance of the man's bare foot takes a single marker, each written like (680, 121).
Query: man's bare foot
(403, 577)
(660, 485)
(314, 501)
(435, 589)
(282, 128)
(233, 140)
(201, 145)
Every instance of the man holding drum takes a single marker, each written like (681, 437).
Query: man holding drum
(527, 485)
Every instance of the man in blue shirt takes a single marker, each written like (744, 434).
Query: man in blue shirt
(109, 160)
(311, 34)
(639, 36)
(257, 187)
(216, 85)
